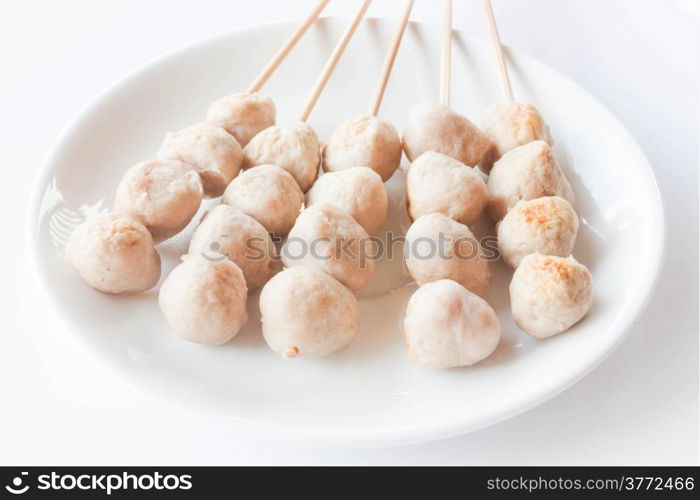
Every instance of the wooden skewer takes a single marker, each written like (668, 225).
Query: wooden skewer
(332, 62)
(498, 51)
(282, 53)
(390, 58)
(446, 60)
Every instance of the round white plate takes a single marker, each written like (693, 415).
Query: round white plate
(369, 394)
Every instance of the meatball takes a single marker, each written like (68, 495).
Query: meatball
(364, 140)
(326, 238)
(509, 125)
(269, 195)
(432, 126)
(226, 232)
(437, 183)
(548, 294)
(546, 225)
(242, 115)
(438, 247)
(525, 173)
(162, 195)
(305, 312)
(211, 150)
(205, 301)
(114, 253)
(358, 191)
(447, 326)
(293, 147)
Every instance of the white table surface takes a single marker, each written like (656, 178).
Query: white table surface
(60, 406)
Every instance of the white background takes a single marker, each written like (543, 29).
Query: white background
(60, 406)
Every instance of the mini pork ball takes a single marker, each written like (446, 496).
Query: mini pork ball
(438, 247)
(163, 195)
(437, 183)
(432, 126)
(205, 301)
(547, 225)
(525, 173)
(211, 150)
(364, 140)
(242, 115)
(226, 232)
(509, 125)
(306, 312)
(114, 253)
(358, 191)
(293, 147)
(328, 239)
(549, 294)
(269, 195)
(447, 326)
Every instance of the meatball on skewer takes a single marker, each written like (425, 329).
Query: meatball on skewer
(362, 153)
(295, 147)
(366, 140)
(550, 291)
(244, 115)
(508, 124)
(433, 126)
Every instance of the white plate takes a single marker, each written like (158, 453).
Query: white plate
(369, 394)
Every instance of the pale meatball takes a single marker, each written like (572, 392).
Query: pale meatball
(305, 312)
(205, 301)
(437, 183)
(358, 191)
(548, 294)
(525, 173)
(226, 232)
(326, 238)
(432, 126)
(242, 115)
(293, 147)
(269, 195)
(364, 140)
(162, 195)
(447, 326)
(114, 253)
(438, 247)
(211, 150)
(546, 225)
(509, 125)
